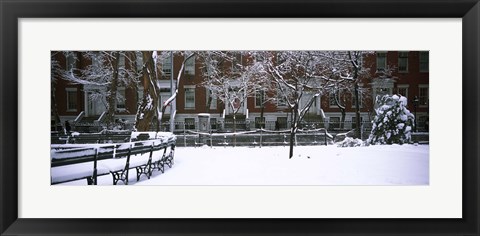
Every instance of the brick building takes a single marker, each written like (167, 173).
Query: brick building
(408, 73)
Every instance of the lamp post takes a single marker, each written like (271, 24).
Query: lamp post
(415, 103)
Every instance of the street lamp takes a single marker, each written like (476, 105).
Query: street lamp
(415, 103)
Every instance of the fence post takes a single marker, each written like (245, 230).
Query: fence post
(325, 131)
(261, 137)
(95, 167)
(211, 143)
(184, 135)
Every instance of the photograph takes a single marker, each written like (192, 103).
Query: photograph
(240, 118)
(281, 117)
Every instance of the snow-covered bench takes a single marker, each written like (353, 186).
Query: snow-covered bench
(144, 157)
(74, 162)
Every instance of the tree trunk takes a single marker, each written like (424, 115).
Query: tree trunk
(262, 122)
(112, 97)
(234, 130)
(148, 110)
(357, 106)
(293, 130)
(209, 103)
(342, 121)
(53, 104)
(357, 113)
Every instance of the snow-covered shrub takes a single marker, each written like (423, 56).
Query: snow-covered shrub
(393, 121)
(350, 142)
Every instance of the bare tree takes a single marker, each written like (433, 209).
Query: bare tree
(231, 78)
(296, 74)
(55, 72)
(105, 72)
(347, 75)
(150, 107)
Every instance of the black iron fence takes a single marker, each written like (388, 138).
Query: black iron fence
(254, 138)
(228, 126)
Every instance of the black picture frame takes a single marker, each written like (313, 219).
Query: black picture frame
(12, 10)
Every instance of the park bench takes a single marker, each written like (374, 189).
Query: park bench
(86, 138)
(71, 162)
(76, 163)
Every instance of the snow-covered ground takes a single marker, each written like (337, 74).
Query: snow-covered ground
(311, 165)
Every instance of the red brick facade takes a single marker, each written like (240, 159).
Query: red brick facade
(409, 71)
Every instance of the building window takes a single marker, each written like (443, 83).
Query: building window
(237, 62)
(402, 90)
(96, 60)
(190, 98)
(259, 98)
(403, 62)
(354, 100)
(190, 66)
(189, 123)
(381, 61)
(71, 99)
(424, 61)
(354, 122)
(167, 66)
(213, 123)
(121, 99)
(423, 96)
(281, 101)
(70, 62)
(213, 101)
(121, 61)
(281, 123)
(259, 122)
(334, 123)
(422, 123)
(140, 95)
(139, 61)
(331, 99)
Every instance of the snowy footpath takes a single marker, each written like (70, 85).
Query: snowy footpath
(311, 165)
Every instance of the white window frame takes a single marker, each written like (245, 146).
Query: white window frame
(377, 62)
(139, 60)
(360, 96)
(420, 87)
(213, 104)
(403, 86)
(121, 60)
(420, 57)
(121, 90)
(185, 88)
(189, 124)
(69, 90)
(354, 121)
(96, 63)
(331, 100)
(256, 98)
(400, 56)
(336, 124)
(281, 101)
(190, 66)
(140, 92)
(167, 66)
(70, 62)
(235, 62)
